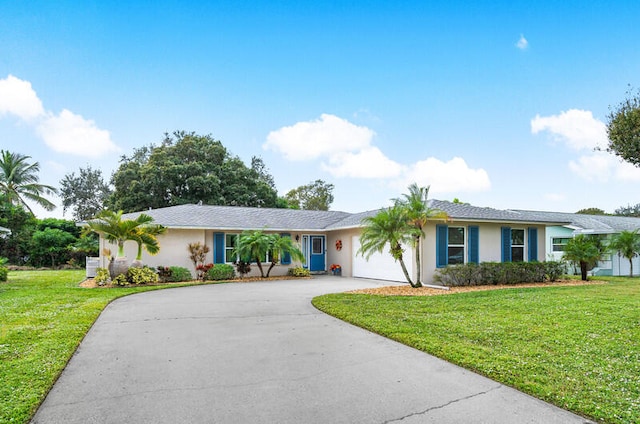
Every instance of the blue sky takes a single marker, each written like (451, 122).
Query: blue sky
(498, 103)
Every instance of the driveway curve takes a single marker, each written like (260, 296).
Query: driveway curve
(261, 353)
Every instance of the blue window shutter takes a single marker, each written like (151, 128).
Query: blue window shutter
(442, 244)
(286, 258)
(533, 244)
(473, 240)
(506, 244)
(218, 248)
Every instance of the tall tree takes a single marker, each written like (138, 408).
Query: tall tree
(583, 250)
(388, 228)
(591, 211)
(19, 181)
(21, 224)
(628, 210)
(189, 168)
(85, 193)
(315, 196)
(623, 128)
(627, 244)
(418, 213)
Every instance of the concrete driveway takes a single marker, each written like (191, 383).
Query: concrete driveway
(260, 353)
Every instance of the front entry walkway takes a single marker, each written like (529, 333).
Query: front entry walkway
(260, 353)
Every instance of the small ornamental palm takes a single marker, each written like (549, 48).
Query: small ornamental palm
(253, 245)
(117, 230)
(627, 244)
(418, 213)
(281, 246)
(584, 251)
(388, 227)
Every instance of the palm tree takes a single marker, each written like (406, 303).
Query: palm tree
(418, 213)
(389, 227)
(114, 229)
(146, 236)
(254, 245)
(19, 181)
(627, 244)
(583, 250)
(281, 246)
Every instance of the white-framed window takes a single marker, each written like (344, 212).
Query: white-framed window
(558, 244)
(517, 245)
(230, 242)
(456, 245)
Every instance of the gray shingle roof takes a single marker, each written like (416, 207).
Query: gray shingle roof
(591, 223)
(241, 218)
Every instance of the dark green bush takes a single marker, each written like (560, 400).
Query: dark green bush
(4, 272)
(220, 272)
(299, 272)
(488, 273)
(174, 274)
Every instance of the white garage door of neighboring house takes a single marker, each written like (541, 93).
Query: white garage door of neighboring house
(380, 266)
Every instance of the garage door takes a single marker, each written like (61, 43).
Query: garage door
(380, 266)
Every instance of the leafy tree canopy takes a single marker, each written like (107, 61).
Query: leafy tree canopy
(189, 168)
(315, 196)
(628, 210)
(591, 211)
(85, 193)
(623, 128)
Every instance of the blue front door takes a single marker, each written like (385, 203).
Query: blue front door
(317, 253)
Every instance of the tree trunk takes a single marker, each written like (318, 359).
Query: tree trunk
(270, 268)
(406, 275)
(630, 267)
(583, 271)
(260, 267)
(419, 271)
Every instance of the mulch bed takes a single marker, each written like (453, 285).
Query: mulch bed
(90, 283)
(427, 291)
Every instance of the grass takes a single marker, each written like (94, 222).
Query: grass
(44, 316)
(577, 347)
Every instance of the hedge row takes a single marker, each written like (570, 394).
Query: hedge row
(491, 273)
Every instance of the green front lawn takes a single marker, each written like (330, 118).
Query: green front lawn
(43, 317)
(577, 347)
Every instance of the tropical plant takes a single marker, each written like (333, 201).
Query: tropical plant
(627, 244)
(281, 246)
(254, 246)
(146, 236)
(389, 227)
(418, 213)
(198, 255)
(584, 251)
(117, 230)
(19, 181)
(220, 272)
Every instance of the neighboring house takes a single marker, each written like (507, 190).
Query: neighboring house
(602, 225)
(4, 232)
(471, 234)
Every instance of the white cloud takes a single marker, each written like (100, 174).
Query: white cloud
(346, 151)
(326, 136)
(366, 163)
(522, 43)
(72, 134)
(577, 128)
(603, 167)
(453, 176)
(65, 133)
(18, 98)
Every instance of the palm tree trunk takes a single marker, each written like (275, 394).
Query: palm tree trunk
(583, 271)
(419, 272)
(260, 267)
(270, 268)
(630, 267)
(407, 276)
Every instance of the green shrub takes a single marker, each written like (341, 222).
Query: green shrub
(243, 268)
(488, 273)
(121, 280)
(179, 273)
(220, 272)
(142, 275)
(102, 276)
(4, 273)
(299, 272)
